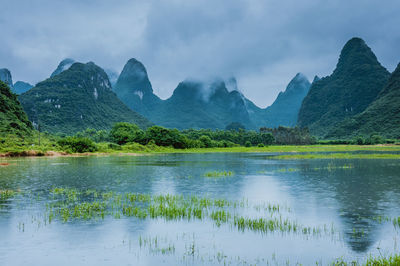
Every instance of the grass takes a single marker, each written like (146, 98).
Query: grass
(337, 156)
(216, 174)
(7, 194)
(30, 147)
(69, 204)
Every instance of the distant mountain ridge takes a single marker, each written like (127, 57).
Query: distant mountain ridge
(77, 98)
(284, 111)
(199, 104)
(353, 85)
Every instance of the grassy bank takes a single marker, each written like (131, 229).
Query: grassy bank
(312, 151)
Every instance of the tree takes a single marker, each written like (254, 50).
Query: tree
(124, 132)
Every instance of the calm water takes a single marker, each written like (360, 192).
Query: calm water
(346, 196)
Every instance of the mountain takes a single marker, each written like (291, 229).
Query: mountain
(13, 119)
(285, 109)
(21, 87)
(353, 85)
(196, 104)
(382, 116)
(112, 76)
(62, 66)
(206, 104)
(193, 104)
(5, 76)
(133, 87)
(75, 99)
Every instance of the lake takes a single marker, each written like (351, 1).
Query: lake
(256, 210)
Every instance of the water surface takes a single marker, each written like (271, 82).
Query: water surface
(352, 198)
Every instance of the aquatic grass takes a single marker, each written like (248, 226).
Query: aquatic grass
(266, 225)
(337, 156)
(216, 174)
(7, 194)
(70, 204)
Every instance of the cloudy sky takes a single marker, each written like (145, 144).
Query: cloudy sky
(263, 43)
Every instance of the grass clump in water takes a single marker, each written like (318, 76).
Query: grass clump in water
(7, 194)
(216, 174)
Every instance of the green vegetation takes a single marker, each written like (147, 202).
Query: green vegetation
(13, 120)
(338, 156)
(7, 194)
(290, 136)
(75, 144)
(219, 174)
(77, 99)
(353, 85)
(381, 116)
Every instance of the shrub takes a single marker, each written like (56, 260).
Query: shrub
(247, 144)
(123, 132)
(76, 144)
(260, 145)
(206, 140)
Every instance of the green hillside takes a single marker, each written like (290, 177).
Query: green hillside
(381, 117)
(13, 119)
(353, 85)
(75, 99)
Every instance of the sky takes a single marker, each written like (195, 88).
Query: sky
(263, 43)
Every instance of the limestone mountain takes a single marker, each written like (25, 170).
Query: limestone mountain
(5, 76)
(382, 116)
(13, 119)
(62, 66)
(285, 109)
(21, 87)
(196, 104)
(353, 85)
(112, 76)
(133, 87)
(77, 98)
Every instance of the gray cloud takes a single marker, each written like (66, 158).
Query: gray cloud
(263, 43)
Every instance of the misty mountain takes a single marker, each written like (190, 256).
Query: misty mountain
(353, 85)
(13, 119)
(206, 104)
(112, 76)
(133, 87)
(77, 98)
(382, 116)
(21, 87)
(285, 109)
(62, 66)
(5, 76)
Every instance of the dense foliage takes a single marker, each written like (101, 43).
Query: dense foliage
(290, 136)
(13, 119)
(76, 99)
(353, 85)
(76, 144)
(381, 117)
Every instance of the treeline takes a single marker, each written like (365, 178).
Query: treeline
(124, 133)
(130, 134)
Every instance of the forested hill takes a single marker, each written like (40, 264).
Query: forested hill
(353, 85)
(77, 98)
(381, 117)
(13, 119)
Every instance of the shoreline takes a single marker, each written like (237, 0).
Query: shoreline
(309, 149)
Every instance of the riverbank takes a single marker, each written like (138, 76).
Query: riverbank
(312, 151)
